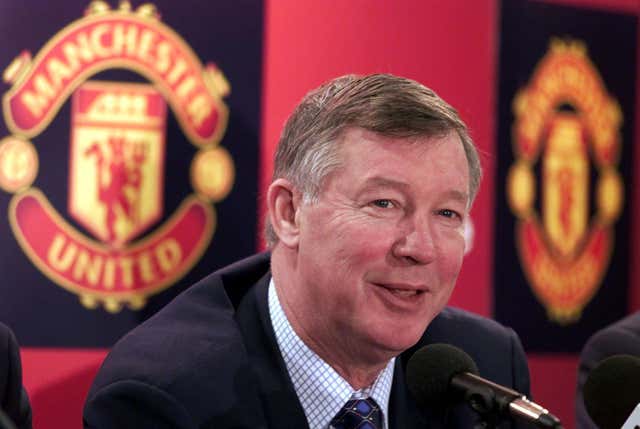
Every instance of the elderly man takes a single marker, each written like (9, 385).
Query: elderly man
(14, 404)
(374, 177)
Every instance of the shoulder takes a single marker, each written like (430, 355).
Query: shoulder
(188, 351)
(495, 348)
(622, 337)
(13, 398)
(10, 368)
(627, 328)
(7, 339)
(8, 357)
(466, 328)
(197, 325)
(4, 332)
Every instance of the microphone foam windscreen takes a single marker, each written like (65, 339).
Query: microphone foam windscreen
(430, 370)
(612, 390)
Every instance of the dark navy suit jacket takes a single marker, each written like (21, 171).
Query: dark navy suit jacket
(13, 399)
(623, 337)
(209, 359)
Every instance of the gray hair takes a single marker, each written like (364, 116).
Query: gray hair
(382, 103)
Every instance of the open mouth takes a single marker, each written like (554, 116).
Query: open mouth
(403, 292)
(400, 293)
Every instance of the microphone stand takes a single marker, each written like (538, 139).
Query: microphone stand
(494, 404)
(482, 400)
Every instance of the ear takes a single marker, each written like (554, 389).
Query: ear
(283, 202)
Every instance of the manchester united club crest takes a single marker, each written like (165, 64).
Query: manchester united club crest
(566, 140)
(116, 155)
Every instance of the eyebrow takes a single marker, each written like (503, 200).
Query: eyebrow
(385, 182)
(452, 194)
(457, 195)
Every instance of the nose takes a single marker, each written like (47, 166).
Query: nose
(416, 245)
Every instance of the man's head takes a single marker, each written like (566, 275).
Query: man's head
(374, 179)
(385, 104)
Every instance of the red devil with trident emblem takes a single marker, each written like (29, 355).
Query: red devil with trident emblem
(119, 181)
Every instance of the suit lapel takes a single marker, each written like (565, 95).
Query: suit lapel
(281, 406)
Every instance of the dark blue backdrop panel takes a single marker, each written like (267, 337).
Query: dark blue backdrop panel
(526, 29)
(225, 32)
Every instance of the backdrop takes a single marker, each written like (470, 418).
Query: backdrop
(183, 103)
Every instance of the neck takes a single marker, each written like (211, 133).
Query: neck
(358, 374)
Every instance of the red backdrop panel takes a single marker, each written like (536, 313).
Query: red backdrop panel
(448, 46)
(58, 381)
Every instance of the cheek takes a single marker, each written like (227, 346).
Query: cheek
(343, 251)
(450, 256)
(353, 253)
(362, 241)
(449, 264)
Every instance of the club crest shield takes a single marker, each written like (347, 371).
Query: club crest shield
(117, 159)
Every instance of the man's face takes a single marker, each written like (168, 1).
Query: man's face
(380, 251)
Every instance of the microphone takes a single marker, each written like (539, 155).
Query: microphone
(612, 391)
(442, 375)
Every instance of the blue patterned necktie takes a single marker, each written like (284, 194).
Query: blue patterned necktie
(358, 413)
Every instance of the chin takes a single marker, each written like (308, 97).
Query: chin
(397, 341)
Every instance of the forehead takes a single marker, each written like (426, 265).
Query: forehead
(357, 144)
(423, 161)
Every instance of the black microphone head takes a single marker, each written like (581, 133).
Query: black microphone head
(612, 390)
(430, 370)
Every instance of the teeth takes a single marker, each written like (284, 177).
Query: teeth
(406, 293)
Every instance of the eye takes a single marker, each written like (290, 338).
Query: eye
(383, 204)
(449, 214)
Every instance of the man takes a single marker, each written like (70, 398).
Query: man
(14, 404)
(374, 177)
(620, 338)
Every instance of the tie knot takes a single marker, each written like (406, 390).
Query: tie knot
(358, 413)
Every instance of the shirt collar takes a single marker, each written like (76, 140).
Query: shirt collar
(321, 390)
